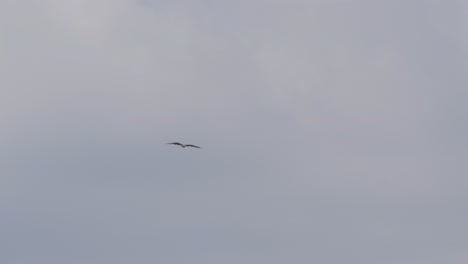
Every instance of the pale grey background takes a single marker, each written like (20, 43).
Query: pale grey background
(334, 131)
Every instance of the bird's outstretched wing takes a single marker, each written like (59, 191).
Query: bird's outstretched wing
(175, 143)
(193, 146)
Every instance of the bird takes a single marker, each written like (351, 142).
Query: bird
(184, 145)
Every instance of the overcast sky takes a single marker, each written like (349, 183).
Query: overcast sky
(333, 131)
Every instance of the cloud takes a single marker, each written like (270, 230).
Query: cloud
(331, 131)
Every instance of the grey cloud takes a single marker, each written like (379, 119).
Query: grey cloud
(332, 131)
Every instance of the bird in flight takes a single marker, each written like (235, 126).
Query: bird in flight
(183, 145)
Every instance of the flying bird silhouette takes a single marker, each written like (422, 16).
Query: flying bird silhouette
(183, 145)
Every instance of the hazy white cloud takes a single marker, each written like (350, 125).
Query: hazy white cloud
(332, 131)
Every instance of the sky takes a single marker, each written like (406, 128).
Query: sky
(332, 131)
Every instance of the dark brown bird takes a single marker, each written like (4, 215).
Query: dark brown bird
(183, 145)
